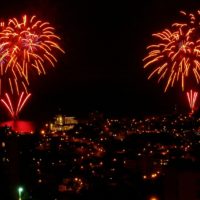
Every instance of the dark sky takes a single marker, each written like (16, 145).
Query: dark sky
(105, 42)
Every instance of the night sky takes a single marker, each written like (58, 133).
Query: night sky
(102, 69)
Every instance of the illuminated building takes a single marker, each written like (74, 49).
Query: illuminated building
(62, 123)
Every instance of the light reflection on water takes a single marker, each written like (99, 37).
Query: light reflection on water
(20, 126)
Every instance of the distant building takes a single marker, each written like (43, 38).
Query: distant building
(62, 123)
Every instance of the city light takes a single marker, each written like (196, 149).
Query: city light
(153, 198)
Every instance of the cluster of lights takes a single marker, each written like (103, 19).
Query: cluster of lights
(152, 175)
(89, 152)
(74, 184)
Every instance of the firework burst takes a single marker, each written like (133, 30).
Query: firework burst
(27, 44)
(175, 56)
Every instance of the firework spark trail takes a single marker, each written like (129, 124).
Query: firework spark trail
(21, 105)
(175, 56)
(8, 105)
(13, 110)
(192, 97)
(10, 84)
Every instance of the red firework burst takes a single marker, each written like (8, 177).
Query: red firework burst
(175, 56)
(26, 45)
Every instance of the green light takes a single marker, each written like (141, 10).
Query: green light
(20, 190)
